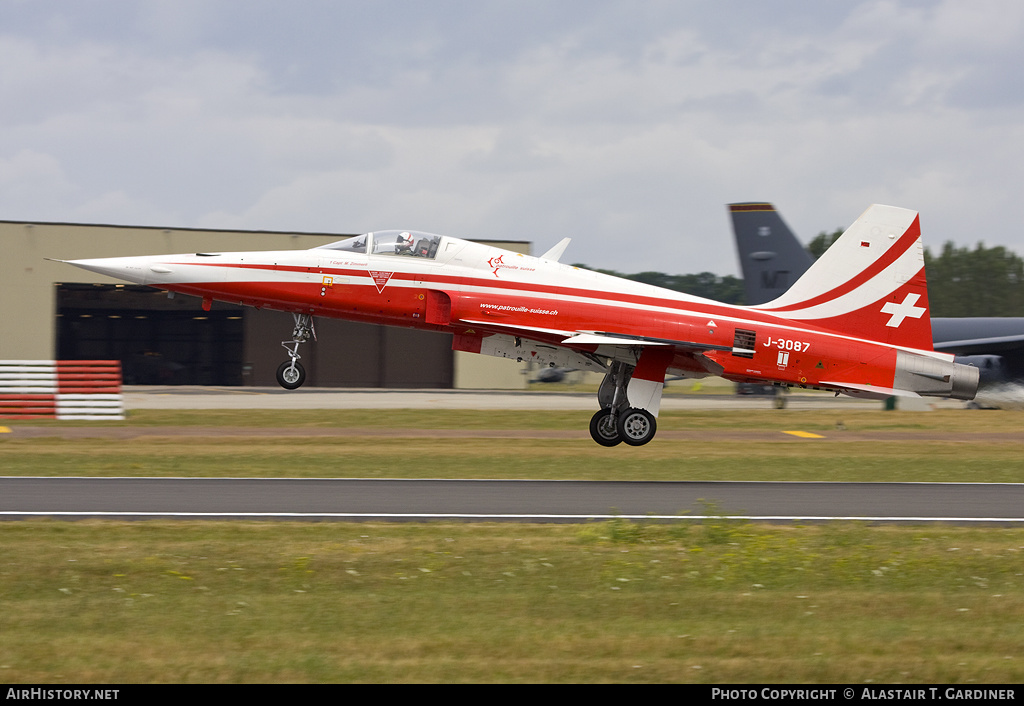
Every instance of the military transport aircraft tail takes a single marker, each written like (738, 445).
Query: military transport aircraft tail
(870, 284)
(771, 257)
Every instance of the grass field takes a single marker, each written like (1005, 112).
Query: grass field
(121, 602)
(713, 602)
(859, 445)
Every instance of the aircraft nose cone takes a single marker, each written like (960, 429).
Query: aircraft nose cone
(131, 269)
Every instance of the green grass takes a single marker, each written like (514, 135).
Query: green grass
(720, 602)
(489, 458)
(855, 419)
(949, 446)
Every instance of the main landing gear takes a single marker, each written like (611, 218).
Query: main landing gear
(291, 374)
(616, 421)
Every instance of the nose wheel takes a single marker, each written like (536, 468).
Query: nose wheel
(291, 374)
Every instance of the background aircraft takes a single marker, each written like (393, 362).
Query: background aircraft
(772, 259)
(857, 322)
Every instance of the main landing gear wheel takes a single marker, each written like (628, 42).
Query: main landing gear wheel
(291, 374)
(603, 428)
(636, 426)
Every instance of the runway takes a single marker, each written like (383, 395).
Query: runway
(191, 397)
(504, 500)
(484, 500)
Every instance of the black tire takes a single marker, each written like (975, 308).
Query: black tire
(291, 375)
(637, 426)
(602, 430)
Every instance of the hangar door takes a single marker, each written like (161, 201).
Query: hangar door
(159, 341)
(165, 341)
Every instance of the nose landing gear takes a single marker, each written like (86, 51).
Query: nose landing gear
(291, 374)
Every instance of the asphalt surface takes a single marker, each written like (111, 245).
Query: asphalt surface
(490, 500)
(191, 397)
(554, 501)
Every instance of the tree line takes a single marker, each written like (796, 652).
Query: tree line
(961, 281)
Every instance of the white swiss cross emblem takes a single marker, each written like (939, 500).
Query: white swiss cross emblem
(903, 310)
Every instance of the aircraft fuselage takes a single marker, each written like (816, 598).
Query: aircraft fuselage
(474, 291)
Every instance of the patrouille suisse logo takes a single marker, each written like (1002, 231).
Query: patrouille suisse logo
(380, 278)
(498, 263)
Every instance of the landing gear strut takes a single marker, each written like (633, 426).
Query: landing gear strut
(604, 425)
(291, 374)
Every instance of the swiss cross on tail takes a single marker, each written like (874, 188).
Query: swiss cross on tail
(870, 284)
(903, 310)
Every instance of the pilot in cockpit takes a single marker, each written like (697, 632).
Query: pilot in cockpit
(403, 244)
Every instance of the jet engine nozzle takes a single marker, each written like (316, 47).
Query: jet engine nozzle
(933, 377)
(965, 382)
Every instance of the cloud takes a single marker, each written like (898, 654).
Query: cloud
(31, 179)
(626, 127)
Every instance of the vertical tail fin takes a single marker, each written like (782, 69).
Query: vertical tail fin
(771, 258)
(870, 284)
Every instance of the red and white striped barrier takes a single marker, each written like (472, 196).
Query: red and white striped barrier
(61, 389)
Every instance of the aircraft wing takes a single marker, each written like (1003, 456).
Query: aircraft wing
(518, 329)
(689, 356)
(981, 346)
(600, 338)
(604, 338)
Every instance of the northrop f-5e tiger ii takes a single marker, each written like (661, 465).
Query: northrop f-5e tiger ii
(857, 322)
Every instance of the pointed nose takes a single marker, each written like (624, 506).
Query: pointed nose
(130, 269)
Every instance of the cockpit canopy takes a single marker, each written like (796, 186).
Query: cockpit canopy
(410, 243)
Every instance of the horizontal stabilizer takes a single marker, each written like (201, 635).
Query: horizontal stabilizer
(870, 392)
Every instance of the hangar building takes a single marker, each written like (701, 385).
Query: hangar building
(56, 311)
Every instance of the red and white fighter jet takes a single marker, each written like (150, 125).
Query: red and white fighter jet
(857, 322)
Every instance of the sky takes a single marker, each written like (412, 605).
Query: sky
(627, 126)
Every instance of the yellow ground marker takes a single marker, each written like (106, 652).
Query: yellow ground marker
(5, 430)
(804, 434)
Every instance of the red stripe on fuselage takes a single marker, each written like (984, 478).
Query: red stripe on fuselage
(822, 354)
(695, 305)
(790, 351)
(362, 302)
